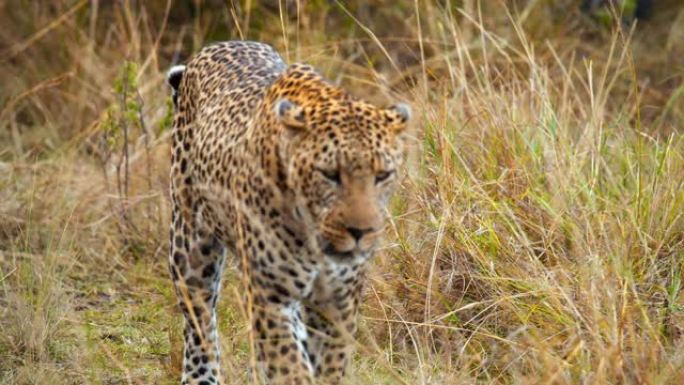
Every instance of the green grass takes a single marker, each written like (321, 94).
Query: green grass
(536, 239)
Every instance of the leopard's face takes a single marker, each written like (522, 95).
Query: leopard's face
(343, 164)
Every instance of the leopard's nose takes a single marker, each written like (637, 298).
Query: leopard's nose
(358, 233)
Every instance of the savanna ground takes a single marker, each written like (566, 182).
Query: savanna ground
(538, 237)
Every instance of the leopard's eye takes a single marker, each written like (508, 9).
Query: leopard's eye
(331, 175)
(383, 176)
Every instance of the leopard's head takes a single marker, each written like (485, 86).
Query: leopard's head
(343, 160)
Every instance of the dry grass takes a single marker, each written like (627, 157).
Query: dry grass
(539, 236)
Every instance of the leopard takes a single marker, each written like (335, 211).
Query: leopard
(291, 176)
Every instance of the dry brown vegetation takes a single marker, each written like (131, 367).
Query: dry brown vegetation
(538, 238)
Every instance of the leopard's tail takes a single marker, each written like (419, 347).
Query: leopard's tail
(173, 78)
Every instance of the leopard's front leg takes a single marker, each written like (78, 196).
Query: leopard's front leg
(331, 319)
(280, 336)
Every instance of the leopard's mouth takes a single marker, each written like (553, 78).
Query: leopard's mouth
(331, 251)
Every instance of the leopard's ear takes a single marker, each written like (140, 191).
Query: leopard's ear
(398, 117)
(290, 115)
